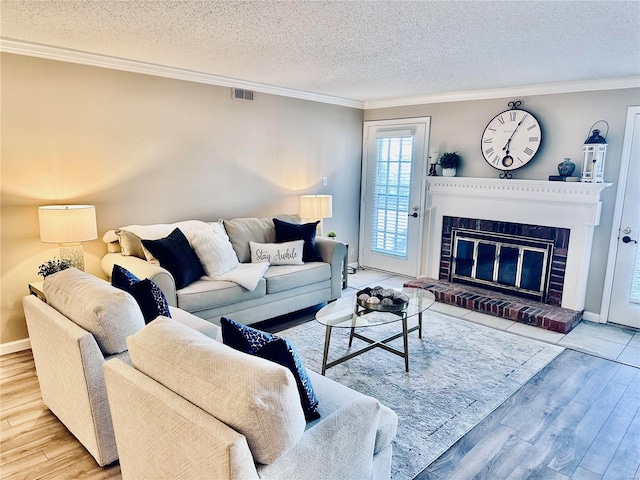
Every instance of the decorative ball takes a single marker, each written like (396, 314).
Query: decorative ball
(373, 300)
(386, 301)
(363, 297)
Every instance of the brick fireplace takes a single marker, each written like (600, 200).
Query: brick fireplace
(558, 218)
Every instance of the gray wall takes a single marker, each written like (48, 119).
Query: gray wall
(145, 149)
(565, 119)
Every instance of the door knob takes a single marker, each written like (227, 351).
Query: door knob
(628, 239)
(414, 215)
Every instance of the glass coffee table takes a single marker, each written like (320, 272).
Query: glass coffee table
(348, 313)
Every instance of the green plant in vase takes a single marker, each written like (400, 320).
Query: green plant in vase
(450, 162)
(52, 266)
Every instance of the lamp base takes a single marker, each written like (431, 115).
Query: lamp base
(74, 253)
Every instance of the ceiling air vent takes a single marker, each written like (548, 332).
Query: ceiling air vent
(241, 94)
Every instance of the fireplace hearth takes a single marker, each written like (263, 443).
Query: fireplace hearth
(549, 266)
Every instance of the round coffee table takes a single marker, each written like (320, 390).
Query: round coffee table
(347, 313)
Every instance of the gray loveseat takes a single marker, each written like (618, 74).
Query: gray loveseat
(283, 289)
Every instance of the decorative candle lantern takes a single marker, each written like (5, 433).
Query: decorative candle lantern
(594, 151)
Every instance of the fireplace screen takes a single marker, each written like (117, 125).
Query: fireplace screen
(503, 262)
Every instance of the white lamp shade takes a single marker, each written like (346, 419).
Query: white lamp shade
(67, 223)
(316, 206)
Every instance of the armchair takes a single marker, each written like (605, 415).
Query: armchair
(191, 407)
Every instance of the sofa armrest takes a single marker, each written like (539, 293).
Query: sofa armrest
(162, 435)
(340, 446)
(334, 253)
(143, 269)
(69, 366)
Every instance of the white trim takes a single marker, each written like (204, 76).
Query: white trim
(508, 92)
(15, 346)
(592, 317)
(103, 61)
(18, 47)
(423, 187)
(617, 213)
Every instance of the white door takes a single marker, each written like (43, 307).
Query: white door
(624, 307)
(392, 194)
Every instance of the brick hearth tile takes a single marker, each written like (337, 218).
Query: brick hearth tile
(550, 317)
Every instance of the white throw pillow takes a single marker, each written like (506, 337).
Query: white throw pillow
(214, 251)
(287, 253)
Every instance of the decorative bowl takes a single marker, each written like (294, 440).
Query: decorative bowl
(386, 300)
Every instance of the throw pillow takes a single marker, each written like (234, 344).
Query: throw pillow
(276, 349)
(288, 253)
(130, 243)
(149, 296)
(176, 255)
(286, 232)
(214, 251)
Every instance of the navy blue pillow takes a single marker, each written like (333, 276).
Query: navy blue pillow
(276, 349)
(149, 296)
(287, 232)
(176, 255)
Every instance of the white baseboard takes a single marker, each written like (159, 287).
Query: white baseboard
(591, 317)
(16, 346)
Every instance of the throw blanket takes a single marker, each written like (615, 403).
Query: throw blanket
(246, 274)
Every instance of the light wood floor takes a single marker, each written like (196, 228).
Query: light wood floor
(578, 418)
(33, 442)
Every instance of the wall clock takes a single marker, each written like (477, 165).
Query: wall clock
(511, 139)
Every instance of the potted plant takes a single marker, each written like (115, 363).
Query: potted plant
(52, 266)
(449, 162)
(332, 235)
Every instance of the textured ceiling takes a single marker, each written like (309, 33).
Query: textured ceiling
(360, 50)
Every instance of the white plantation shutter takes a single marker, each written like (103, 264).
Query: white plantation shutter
(392, 188)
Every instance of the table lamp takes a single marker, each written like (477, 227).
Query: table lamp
(316, 207)
(68, 226)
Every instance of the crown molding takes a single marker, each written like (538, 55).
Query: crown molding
(18, 47)
(526, 90)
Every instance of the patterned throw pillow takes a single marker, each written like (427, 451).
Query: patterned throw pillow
(149, 296)
(276, 349)
(286, 232)
(176, 255)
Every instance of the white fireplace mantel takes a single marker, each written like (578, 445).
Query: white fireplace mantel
(571, 205)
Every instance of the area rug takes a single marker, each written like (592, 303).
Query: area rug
(459, 372)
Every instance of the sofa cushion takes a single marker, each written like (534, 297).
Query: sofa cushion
(214, 250)
(243, 230)
(255, 397)
(131, 236)
(279, 350)
(110, 314)
(204, 293)
(149, 296)
(288, 253)
(285, 277)
(176, 255)
(333, 396)
(286, 232)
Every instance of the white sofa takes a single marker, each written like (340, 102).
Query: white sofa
(85, 322)
(192, 407)
(283, 289)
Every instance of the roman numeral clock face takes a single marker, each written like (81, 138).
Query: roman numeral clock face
(511, 140)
